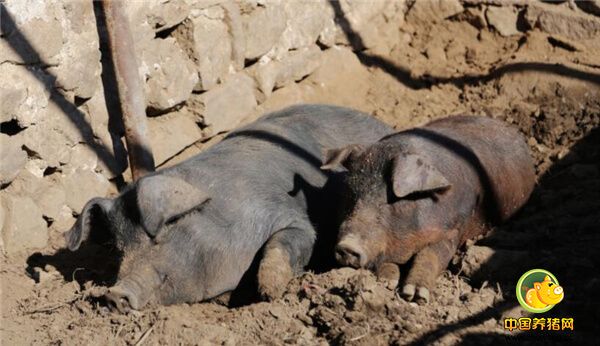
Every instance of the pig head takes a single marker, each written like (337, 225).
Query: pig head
(155, 224)
(421, 193)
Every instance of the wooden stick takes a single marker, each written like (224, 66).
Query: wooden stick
(130, 90)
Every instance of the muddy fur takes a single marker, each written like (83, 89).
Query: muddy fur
(196, 227)
(468, 172)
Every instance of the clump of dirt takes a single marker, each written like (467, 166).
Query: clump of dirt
(438, 69)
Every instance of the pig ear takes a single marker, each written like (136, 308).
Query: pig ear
(335, 158)
(82, 227)
(161, 198)
(412, 174)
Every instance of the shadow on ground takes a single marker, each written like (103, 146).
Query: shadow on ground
(404, 75)
(558, 231)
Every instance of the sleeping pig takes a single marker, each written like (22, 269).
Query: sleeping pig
(189, 232)
(421, 193)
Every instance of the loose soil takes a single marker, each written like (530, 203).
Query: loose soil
(548, 90)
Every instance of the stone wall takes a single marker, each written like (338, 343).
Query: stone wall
(208, 65)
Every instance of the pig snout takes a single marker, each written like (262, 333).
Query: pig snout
(134, 291)
(350, 252)
(362, 239)
(122, 299)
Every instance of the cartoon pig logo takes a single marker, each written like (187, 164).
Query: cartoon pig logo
(543, 295)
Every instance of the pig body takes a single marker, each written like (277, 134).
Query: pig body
(189, 232)
(423, 192)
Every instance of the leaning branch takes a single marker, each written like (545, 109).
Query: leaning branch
(131, 95)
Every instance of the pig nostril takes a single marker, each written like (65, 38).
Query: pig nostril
(349, 256)
(558, 290)
(117, 301)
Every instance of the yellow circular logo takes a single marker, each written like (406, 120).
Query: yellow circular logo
(538, 291)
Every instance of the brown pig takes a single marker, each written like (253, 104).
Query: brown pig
(421, 193)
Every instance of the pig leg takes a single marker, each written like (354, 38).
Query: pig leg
(428, 264)
(389, 274)
(286, 254)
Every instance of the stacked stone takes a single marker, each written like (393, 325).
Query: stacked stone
(208, 65)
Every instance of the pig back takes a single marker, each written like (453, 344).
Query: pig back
(494, 151)
(317, 127)
(260, 169)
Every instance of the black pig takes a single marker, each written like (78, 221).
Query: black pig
(423, 192)
(189, 232)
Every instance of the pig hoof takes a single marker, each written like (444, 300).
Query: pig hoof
(389, 274)
(408, 292)
(274, 274)
(422, 296)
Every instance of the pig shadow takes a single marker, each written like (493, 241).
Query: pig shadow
(321, 202)
(557, 230)
(97, 259)
(98, 263)
(323, 214)
(323, 211)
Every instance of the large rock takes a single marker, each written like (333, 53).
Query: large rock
(170, 76)
(222, 108)
(51, 202)
(11, 98)
(341, 76)
(81, 156)
(305, 21)
(43, 141)
(433, 10)
(62, 127)
(141, 30)
(503, 19)
(32, 32)
(292, 94)
(170, 134)
(262, 29)
(560, 20)
(24, 227)
(360, 24)
(292, 66)
(24, 94)
(82, 185)
(163, 15)
(13, 158)
(78, 67)
(28, 183)
(205, 37)
(49, 195)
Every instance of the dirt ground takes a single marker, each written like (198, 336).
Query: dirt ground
(545, 86)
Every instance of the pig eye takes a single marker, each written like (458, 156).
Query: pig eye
(551, 284)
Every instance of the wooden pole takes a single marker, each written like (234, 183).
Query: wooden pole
(131, 93)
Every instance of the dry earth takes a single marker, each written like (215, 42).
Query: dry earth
(545, 84)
